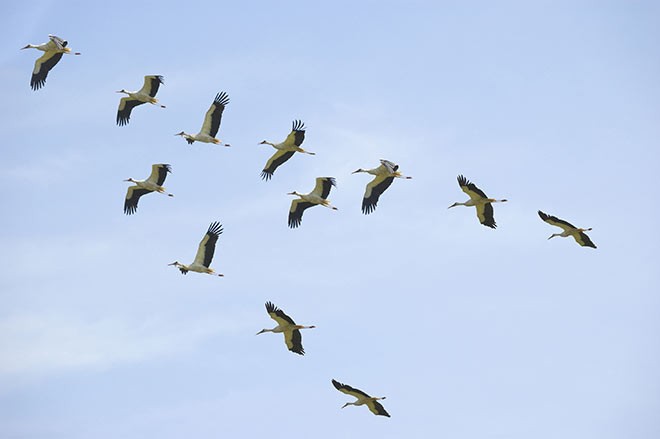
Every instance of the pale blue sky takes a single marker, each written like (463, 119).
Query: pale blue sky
(469, 332)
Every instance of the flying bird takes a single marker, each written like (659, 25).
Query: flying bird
(152, 184)
(569, 230)
(204, 252)
(145, 95)
(318, 196)
(54, 49)
(211, 122)
(362, 398)
(479, 200)
(285, 324)
(286, 149)
(385, 175)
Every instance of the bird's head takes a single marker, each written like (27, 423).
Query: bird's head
(175, 263)
(27, 47)
(453, 205)
(293, 193)
(261, 332)
(180, 134)
(130, 179)
(345, 405)
(121, 91)
(359, 170)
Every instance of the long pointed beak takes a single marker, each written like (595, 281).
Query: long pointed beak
(173, 263)
(26, 47)
(260, 332)
(345, 405)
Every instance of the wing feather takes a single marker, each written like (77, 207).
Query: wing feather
(377, 408)
(126, 105)
(159, 173)
(485, 215)
(374, 190)
(151, 85)
(470, 188)
(274, 162)
(297, 135)
(214, 114)
(582, 239)
(296, 210)
(133, 195)
(278, 315)
(42, 66)
(553, 220)
(323, 186)
(345, 388)
(206, 247)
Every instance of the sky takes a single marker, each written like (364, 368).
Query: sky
(469, 332)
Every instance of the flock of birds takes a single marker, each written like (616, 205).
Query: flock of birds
(384, 175)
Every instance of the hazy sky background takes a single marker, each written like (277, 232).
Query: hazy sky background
(469, 332)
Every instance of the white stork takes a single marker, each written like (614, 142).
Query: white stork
(569, 230)
(54, 49)
(285, 324)
(211, 123)
(146, 94)
(286, 149)
(152, 184)
(385, 175)
(204, 252)
(479, 200)
(362, 398)
(318, 196)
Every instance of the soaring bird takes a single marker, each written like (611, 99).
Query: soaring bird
(211, 122)
(152, 184)
(479, 200)
(385, 175)
(318, 196)
(285, 324)
(54, 49)
(145, 95)
(569, 230)
(285, 149)
(204, 252)
(362, 398)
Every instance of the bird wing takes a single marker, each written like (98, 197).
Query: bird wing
(60, 43)
(42, 66)
(557, 222)
(323, 186)
(582, 239)
(377, 408)
(345, 388)
(207, 245)
(214, 114)
(293, 341)
(158, 173)
(151, 84)
(390, 166)
(373, 191)
(485, 215)
(133, 194)
(298, 206)
(470, 188)
(126, 105)
(274, 162)
(297, 134)
(278, 315)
